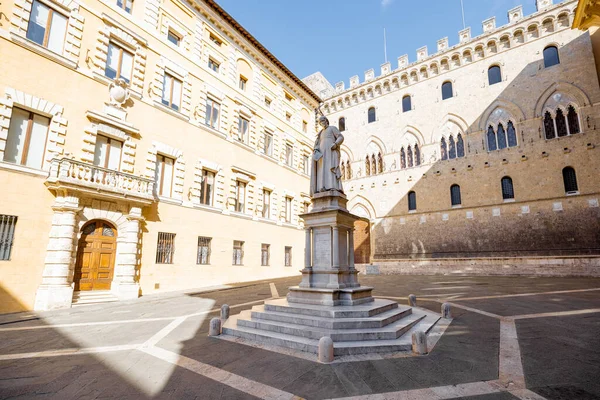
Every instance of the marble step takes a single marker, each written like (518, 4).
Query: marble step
(390, 332)
(378, 321)
(366, 310)
(93, 297)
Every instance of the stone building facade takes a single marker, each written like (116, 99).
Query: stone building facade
(481, 157)
(145, 146)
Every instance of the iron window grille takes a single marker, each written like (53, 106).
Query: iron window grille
(203, 256)
(165, 248)
(7, 235)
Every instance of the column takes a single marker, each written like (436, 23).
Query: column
(124, 284)
(351, 248)
(336, 248)
(56, 290)
(307, 249)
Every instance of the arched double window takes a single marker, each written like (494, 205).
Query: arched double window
(371, 115)
(342, 124)
(494, 75)
(455, 195)
(447, 90)
(561, 125)
(453, 148)
(501, 137)
(508, 191)
(412, 201)
(406, 103)
(551, 56)
(570, 180)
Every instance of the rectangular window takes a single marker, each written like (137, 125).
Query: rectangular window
(212, 113)
(238, 252)
(165, 248)
(171, 95)
(243, 125)
(108, 153)
(288, 256)
(7, 235)
(207, 187)
(268, 103)
(243, 83)
(119, 63)
(268, 146)
(264, 254)
(288, 97)
(305, 163)
(26, 141)
(288, 209)
(304, 126)
(126, 5)
(47, 27)
(203, 250)
(174, 38)
(212, 64)
(266, 209)
(289, 154)
(164, 175)
(240, 196)
(288, 117)
(215, 40)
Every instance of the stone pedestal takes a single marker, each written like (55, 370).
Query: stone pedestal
(329, 276)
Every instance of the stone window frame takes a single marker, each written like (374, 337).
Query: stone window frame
(166, 66)
(494, 120)
(564, 101)
(115, 32)
(159, 148)
(19, 22)
(260, 187)
(106, 128)
(218, 190)
(57, 128)
(248, 114)
(169, 23)
(249, 202)
(294, 208)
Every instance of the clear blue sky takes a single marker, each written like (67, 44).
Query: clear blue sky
(342, 38)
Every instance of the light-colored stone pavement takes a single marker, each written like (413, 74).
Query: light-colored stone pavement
(502, 344)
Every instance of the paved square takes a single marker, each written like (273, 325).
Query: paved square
(511, 338)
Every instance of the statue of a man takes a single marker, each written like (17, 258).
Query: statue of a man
(325, 172)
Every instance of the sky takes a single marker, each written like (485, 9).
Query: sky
(342, 38)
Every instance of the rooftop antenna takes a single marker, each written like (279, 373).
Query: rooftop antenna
(385, 46)
(462, 7)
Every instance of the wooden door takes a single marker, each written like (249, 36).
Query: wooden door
(95, 257)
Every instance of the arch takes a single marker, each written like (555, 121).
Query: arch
(412, 200)
(561, 87)
(345, 149)
(361, 201)
(409, 132)
(508, 191)
(342, 124)
(447, 90)
(511, 108)
(378, 142)
(570, 180)
(519, 35)
(371, 115)
(467, 55)
(455, 198)
(406, 103)
(96, 256)
(451, 123)
(504, 42)
(479, 51)
(494, 74)
(433, 67)
(456, 61)
(244, 71)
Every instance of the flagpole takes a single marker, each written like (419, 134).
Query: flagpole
(384, 46)
(462, 7)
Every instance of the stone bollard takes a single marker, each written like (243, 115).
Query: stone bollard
(215, 327)
(224, 312)
(419, 342)
(412, 300)
(325, 349)
(446, 311)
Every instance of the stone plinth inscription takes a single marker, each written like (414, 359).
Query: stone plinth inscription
(322, 248)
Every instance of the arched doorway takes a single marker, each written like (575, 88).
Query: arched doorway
(96, 252)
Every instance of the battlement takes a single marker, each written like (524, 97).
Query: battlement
(490, 36)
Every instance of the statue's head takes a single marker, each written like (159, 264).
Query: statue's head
(323, 121)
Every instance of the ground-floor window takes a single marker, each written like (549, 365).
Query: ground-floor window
(238, 252)
(288, 256)
(264, 254)
(203, 256)
(7, 235)
(165, 248)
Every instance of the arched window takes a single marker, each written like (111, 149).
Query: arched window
(512, 135)
(343, 169)
(409, 155)
(342, 124)
(412, 201)
(501, 134)
(373, 165)
(455, 195)
(491, 139)
(380, 163)
(494, 75)
(549, 126)
(417, 155)
(371, 115)
(367, 166)
(447, 91)
(451, 148)
(406, 103)
(507, 188)
(460, 146)
(551, 56)
(561, 123)
(570, 180)
(573, 120)
(443, 149)
(402, 158)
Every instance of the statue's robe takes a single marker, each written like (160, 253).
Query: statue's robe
(325, 171)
